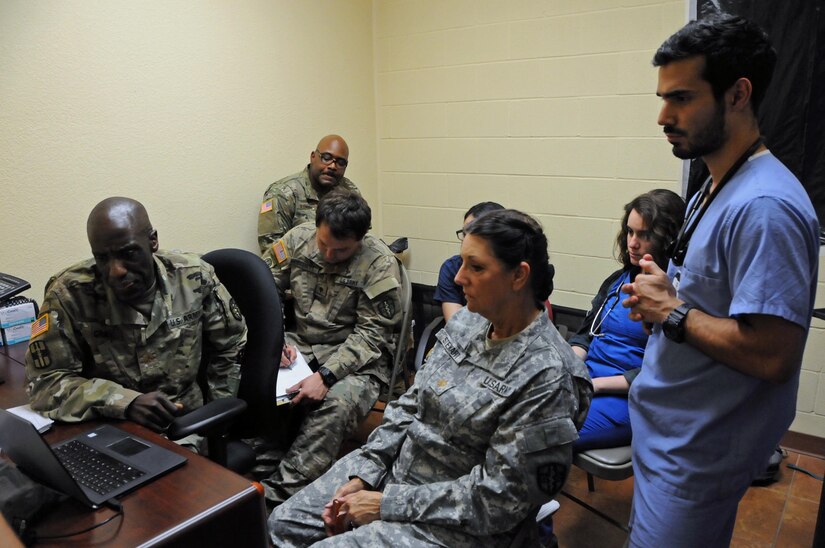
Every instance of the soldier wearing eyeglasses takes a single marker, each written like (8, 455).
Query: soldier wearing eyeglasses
(292, 200)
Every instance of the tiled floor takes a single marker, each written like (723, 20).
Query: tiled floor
(781, 515)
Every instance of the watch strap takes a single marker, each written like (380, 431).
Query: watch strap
(674, 326)
(327, 376)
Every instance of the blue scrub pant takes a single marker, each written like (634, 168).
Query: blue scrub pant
(607, 424)
(661, 519)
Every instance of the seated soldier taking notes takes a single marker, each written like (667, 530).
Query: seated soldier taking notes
(345, 287)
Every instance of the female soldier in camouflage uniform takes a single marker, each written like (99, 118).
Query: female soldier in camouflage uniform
(485, 433)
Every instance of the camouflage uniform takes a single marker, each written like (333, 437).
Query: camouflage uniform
(97, 355)
(345, 316)
(483, 436)
(288, 203)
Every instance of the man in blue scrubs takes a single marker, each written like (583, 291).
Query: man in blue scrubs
(730, 318)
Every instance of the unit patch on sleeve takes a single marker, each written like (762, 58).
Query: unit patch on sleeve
(39, 353)
(550, 477)
(386, 308)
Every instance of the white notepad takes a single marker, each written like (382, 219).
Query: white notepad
(290, 376)
(26, 412)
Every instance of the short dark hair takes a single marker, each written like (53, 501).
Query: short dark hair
(482, 207)
(733, 48)
(515, 237)
(663, 212)
(346, 214)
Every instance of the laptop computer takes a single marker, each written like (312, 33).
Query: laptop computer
(92, 467)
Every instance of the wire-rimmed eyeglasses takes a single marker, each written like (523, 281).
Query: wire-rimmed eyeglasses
(328, 158)
(598, 319)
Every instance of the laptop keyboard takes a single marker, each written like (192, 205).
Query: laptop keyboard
(93, 469)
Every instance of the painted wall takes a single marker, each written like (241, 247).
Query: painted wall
(192, 107)
(544, 106)
(547, 107)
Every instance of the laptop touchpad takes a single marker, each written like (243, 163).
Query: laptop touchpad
(128, 447)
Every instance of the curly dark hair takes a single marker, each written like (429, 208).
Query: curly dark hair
(515, 237)
(733, 48)
(663, 212)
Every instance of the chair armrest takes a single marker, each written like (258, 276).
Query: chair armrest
(213, 417)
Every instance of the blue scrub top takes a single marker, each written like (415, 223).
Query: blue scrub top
(703, 431)
(621, 345)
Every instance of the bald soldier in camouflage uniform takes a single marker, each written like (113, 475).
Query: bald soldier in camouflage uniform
(345, 288)
(292, 200)
(122, 335)
(483, 436)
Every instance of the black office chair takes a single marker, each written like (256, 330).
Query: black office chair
(225, 421)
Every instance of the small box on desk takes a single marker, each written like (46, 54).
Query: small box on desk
(16, 311)
(17, 333)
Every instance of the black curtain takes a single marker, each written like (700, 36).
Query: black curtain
(792, 116)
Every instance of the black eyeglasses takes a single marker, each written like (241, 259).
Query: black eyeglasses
(460, 234)
(328, 158)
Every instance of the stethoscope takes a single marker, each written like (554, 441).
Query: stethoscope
(602, 314)
(678, 248)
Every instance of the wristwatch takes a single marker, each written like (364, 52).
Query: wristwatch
(327, 376)
(674, 326)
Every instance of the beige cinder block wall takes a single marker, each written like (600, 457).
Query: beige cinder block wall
(545, 106)
(192, 107)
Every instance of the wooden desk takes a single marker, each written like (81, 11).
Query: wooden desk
(13, 372)
(199, 504)
(17, 352)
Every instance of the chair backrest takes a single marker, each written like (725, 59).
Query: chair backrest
(427, 341)
(399, 360)
(250, 282)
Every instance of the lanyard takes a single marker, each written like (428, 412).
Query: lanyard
(678, 248)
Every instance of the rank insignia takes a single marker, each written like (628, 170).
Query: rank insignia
(236, 311)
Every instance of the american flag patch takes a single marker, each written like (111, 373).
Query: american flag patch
(266, 206)
(40, 325)
(280, 251)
